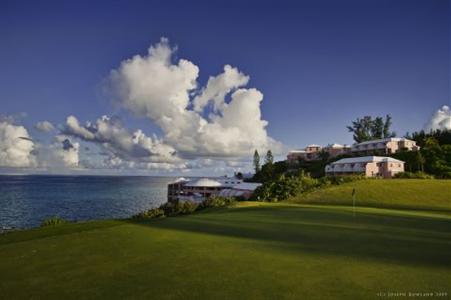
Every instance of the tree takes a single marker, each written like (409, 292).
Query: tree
(256, 161)
(378, 127)
(367, 128)
(420, 161)
(361, 129)
(443, 137)
(387, 133)
(269, 159)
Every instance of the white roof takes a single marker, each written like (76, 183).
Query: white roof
(246, 186)
(339, 146)
(204, 182)
(313, 145)
(362, 159)
(297, 151)
(181, 179)
(394, 139)
(231, 193)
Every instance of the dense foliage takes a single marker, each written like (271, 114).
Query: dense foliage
(182, 208)
(433, 158)
(414, 175)
(443, 137)
(286, 186)
(367, 128)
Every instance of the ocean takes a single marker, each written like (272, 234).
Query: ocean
(27, 200)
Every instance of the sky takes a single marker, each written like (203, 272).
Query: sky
(222, 78)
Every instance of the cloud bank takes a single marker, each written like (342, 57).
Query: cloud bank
(167, 93)
(440, 120)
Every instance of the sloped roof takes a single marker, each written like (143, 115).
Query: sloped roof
(296, 151)
(204, 182)
(394, 139)
(181, 179)
(247, 186)
(363, 159)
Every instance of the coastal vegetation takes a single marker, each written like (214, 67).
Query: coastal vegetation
(183, 208)
(53, 221)
(253, 250)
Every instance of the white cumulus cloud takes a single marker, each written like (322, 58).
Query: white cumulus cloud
(441, 120)
(166, 92)
(16, 146)
(218, 87)
(44, 126)
(121, 145)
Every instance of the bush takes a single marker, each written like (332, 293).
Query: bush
(217, 201)
(150, 214)
(411, 175)
(53, 221)
(337, 180)
(285, 187)
(182, 208)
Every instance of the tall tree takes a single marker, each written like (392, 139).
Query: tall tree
(387, 133)
(367, 128)
(256, 161)
(420, 161)
(361, 129)
(269, 159)
(377, 128)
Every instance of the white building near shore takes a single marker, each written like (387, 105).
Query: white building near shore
(199, 189)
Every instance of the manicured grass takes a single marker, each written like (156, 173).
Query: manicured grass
(391, 193)
(255, 251)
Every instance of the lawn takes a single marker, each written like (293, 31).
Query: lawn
(389, 193)
(254, 251)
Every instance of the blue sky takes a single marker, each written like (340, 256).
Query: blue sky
(319, 64)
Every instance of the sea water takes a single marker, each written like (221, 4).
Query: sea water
(27, 200)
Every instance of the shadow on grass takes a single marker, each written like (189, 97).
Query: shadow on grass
(64, 229)
(394, 239)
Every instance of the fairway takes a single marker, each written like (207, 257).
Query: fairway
(254, 251)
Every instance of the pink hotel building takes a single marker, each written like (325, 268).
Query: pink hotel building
(371, 166)
(381, 146)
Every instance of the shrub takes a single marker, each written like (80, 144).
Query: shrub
(337, 180)
(186, 207)
(53, 221)
(284, 187)
(216, 201)
(150, 214)
(169, 209)
(411, 175)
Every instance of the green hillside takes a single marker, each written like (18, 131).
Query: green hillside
(393, 193)
(254, 251)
